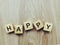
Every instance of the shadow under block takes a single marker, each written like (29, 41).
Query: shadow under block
(18, 29)
(48, 27)
(38, 24)
(28, 25)
(9, 28)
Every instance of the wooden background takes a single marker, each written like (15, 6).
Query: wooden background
(19, 11)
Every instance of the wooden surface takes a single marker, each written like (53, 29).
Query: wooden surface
(19, 11)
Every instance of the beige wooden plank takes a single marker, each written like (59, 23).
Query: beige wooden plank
(32, 11)
(56, 19)
(9, 14)
(1, 33)
(47, 15)
(58, 44)
(19, 11)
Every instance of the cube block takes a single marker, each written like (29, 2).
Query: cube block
(18, 29)
(48, 26)
(28, 25)
(38, 24)
(9, 28)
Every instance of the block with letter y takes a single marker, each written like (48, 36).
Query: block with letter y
(48, 27)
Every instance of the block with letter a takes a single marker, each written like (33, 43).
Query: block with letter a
(18, 29)
(48, 27)
(9, 28)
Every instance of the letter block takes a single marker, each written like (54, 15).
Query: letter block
(9, 28)
(18, 29)
(48, 26)
(28, 25)
(38, 24)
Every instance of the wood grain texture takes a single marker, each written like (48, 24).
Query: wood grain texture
(19, 11)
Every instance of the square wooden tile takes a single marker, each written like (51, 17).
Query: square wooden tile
(28, 25)
(38, 24)
(9, 28)
(18, 29)
(48, 26)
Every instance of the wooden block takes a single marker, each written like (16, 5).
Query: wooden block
(38, 24)
(48, 26)
(9, 28)
(18, 29)
(28, 25)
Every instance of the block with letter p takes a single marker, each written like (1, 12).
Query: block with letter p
(9, 28)
(28, 25)
(38, 24)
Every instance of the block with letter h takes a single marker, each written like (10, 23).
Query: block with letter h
(9, 28)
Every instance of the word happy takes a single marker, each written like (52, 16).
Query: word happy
(18, 29)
